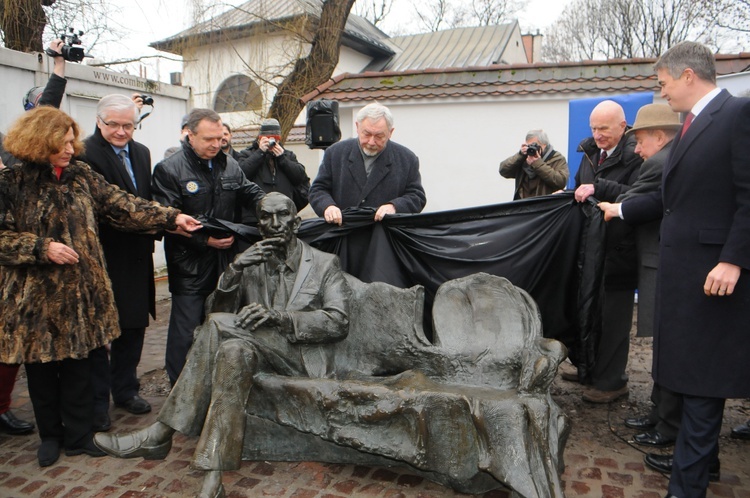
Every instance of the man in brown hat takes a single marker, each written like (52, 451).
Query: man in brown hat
(655, 127)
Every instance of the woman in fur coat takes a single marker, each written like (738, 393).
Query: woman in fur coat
(56, 300)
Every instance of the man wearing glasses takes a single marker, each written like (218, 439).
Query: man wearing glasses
(368, 171)
(112, 152)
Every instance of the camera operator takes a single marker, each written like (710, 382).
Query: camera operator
(273, 168)
(537, 167)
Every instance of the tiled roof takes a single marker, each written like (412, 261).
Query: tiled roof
(264, 14)
(460, 47)
(243, 137)
(569, 78)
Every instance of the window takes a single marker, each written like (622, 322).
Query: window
(238, 93)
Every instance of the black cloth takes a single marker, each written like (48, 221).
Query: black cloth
(186, 314)
(550, 246)
(184, 181)
(283, 174)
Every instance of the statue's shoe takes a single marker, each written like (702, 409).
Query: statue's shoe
(135, 444)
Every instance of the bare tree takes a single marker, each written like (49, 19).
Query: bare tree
(603, 29)
(491, 12)
(375, 11)
(733, 15)
(315, 69)
(23, 22)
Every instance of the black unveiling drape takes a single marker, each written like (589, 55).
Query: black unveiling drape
(552, 247)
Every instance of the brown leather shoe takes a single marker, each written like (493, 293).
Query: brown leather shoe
(593, 395)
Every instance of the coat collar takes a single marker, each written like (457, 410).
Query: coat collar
(380, 168)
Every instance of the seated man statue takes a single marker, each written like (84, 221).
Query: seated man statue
(277, 309)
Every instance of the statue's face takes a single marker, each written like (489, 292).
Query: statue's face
(277, 217)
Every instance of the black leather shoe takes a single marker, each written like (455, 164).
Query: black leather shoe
(653, 438)
(48, 452)
(135, 405)
(639, 423)
(741, 432)
(9, 424)
(89, 448)
(663, 464)
(102, 422)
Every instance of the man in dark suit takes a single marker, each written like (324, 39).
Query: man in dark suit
(112, 152)
(368, 171)
(703, 307)
(655, 128)
(277, 308)
(608, 168)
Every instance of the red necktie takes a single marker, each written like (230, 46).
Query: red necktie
(602, 157)
(686, 124)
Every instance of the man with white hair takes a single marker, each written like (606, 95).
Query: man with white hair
(112, 152)
(368, 171)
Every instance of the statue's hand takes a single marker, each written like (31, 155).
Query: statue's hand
(259, 252)
(254, 315)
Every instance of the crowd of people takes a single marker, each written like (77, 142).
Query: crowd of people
(78, 221)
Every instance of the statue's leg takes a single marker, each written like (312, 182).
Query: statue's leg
(220, 444)
(186, 406)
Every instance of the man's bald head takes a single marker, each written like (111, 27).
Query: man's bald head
(608, 124)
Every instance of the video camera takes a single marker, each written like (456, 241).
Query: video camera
(71, 50)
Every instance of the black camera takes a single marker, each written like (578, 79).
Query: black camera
(147, 100)
(70, 50)
(533, 149)
(271, 143)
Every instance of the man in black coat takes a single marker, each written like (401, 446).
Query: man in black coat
(703, 301)
(199, 180)
(368, 171)
(608, 168)
(112, 152)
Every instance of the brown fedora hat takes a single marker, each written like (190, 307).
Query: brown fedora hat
(656, 116)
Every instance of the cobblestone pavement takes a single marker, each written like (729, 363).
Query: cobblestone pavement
(600, 462)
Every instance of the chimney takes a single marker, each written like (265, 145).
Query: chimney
(532, 44)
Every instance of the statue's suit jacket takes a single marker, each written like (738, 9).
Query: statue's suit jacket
(318, 305)
(343, 182)
(701, 342)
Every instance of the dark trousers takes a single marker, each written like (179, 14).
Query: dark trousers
(187, 313)
(60, 393)
(697, 446)
(614, 345)
(7, 382)
(116, 371)
(666, 413)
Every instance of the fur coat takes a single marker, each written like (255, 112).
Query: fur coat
(51, 312)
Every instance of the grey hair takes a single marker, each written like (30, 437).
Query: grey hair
(687, 54)
(117, 103)
(374, 111)
(538, 134)
(197, 115)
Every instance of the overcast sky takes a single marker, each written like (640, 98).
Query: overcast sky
(146, 21)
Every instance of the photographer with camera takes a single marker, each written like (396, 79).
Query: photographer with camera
(537, 167)
(273, 168)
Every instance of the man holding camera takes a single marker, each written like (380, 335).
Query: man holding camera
(273, 168)
(537, 167)
(112, 152)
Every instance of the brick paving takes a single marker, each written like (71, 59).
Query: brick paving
(599, 460)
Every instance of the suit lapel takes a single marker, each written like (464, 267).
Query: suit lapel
(380, 170)
(357, 167)
(305, 265)
(696, 129)
(122, 172)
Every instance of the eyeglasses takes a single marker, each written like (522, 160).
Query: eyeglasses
(127, 127)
